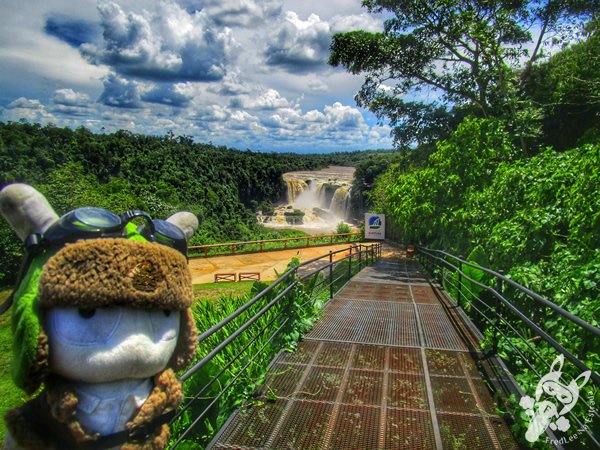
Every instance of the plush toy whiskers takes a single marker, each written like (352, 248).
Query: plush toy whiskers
(101, 318)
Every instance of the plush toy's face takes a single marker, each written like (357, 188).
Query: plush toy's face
(106, 344)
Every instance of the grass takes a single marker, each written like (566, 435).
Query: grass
(10, 395)
(215, 291)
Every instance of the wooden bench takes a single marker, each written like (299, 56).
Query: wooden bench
(249, 276)
(220, 277)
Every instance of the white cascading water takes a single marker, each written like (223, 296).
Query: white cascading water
(323, 196)
(340, 202)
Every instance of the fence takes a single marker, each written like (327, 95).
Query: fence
(527, 332)
(233, 248)
(237, 350)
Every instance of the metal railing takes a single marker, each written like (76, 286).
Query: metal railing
(233, 248)
(236, 351)
(519, 327)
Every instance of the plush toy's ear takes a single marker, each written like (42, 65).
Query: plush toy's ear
(186, 221)
(26, 210)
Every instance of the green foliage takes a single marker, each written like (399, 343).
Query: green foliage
(476, 58)
(342, 228)
(9, 396)
(536, 218)
(567, 87)
(294, 217)
(161, 175)
(425, 202)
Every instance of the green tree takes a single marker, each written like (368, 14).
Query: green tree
(466, 52)
(567, 88)
(342, 228)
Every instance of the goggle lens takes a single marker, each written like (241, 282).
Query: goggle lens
(167, 231)
(95, 219)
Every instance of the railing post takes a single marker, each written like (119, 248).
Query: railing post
(350, 264)
(458, 294)
(498, 310)
(330, 275)
(233, 249)
(261, 246)
(359, 257)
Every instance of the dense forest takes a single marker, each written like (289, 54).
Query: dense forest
(161, 175)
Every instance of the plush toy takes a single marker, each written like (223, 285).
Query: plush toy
(101, 320)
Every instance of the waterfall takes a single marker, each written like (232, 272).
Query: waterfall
(348, 210)
(323, 196)
(308, 198)
(294, 189)
(340, 202)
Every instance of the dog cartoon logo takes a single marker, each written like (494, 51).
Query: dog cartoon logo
(546, 412)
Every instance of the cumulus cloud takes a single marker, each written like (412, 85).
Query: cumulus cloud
(72, 31)
(67, 102)
(241, 120)
(120, 92)
(352, 22)
(299, 45)
(68, 97)
(168, 94)
(166, 44)
(343, 117)
(210, 113)
(243, 13)
(270, 100)
(230, 85)
(31, 110)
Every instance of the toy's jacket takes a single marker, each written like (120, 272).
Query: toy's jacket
(48, 421)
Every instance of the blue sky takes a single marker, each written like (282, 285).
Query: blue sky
(243, 73)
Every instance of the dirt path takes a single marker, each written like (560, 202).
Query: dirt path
(204, 269)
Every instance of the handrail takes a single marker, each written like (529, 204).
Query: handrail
(276, 313)
(563, 312)
(232, 245)
(499, 318)
(519, 314)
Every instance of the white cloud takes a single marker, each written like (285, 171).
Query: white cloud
(317, 86)
(344, 117)
(352, 22)
(120, 92)
(168, 94)
(69, 97)
(31, 110)
(196, 67)
(165, 44)
(299, 45)
(241, 12)
(269, 100)
(230, 85)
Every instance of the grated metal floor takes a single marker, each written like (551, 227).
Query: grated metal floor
(385, 368)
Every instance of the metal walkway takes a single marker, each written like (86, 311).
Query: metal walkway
(387, 367)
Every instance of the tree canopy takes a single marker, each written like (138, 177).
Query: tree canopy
(466, 55)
